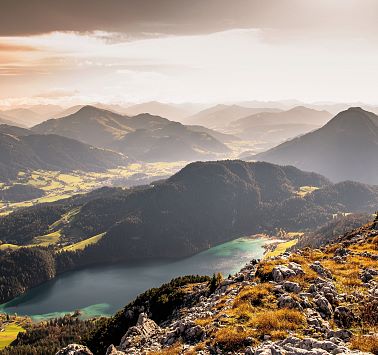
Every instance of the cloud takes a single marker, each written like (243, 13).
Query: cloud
(9, 47)
(150, 18)
(57, 94)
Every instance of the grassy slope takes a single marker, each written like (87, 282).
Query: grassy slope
(281, 248)
(84, 243)
(9, 334)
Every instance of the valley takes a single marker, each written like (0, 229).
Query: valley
(56, 185)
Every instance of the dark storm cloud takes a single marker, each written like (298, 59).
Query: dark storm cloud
(147, 17)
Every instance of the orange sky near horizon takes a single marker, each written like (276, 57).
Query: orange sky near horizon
(328, 54)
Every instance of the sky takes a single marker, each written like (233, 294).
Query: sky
(123, 51)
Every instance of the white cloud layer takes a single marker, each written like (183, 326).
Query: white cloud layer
(240, 64)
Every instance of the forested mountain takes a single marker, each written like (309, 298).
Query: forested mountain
(144, 137)
(344, 149)
(14, 130)
(50, 152)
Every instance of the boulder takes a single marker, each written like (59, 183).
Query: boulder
(282, 272)
(321, 270)
(286, 301)
(139, 333)
(291, 286)
(112, 350)
(323, 306)
(74, 349)
(344, 317)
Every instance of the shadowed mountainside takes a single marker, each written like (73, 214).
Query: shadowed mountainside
(344, 149)
(20, 152)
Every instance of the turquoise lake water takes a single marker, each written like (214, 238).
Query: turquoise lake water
(103, 290)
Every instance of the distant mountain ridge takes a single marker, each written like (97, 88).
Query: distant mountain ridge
(220, 116)
(276, 127)
(20, 151)
(144, 137)
(343, 149)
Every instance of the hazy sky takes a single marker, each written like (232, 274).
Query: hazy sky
(178, 50)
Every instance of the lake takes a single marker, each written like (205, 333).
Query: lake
(103, 290)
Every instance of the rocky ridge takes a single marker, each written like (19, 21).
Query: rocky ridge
(310, 302)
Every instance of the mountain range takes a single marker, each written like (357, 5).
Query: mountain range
(343, 149)
(144, 137)
(275, 127)
(22, 150)
(169, 111)
(220, 116)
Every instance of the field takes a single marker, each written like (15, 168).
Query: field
(8, 246)
(305, 190)
(58, 185)
(281, 248)
(84, 243)
(9, 334)
(46, 240)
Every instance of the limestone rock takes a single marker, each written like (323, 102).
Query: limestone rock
(139, 333)
(321, 270)
(74, 349)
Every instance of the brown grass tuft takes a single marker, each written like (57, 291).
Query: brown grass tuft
(368, 343)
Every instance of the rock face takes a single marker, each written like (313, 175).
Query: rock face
(282, 272)
(74, 349)
(139, 335)
(306, 346)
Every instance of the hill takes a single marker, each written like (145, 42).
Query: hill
(5, 120)
(50, 152)
(344, 149)
(144, 137)
(155, 108)
(275, 127)
(14, 130)
(220, 116)
(24, 117)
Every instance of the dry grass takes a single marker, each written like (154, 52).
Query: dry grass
(255, 295)
(232, 338)
(265, 268)
(278, 321)
(368, 343)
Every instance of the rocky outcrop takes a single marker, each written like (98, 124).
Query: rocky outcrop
(139, 335)
(283, 272)
(74, 349)
(306, 346)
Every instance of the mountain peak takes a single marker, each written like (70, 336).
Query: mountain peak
(343, 149)
(355, 115)
(89, 109)
(356, 108)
